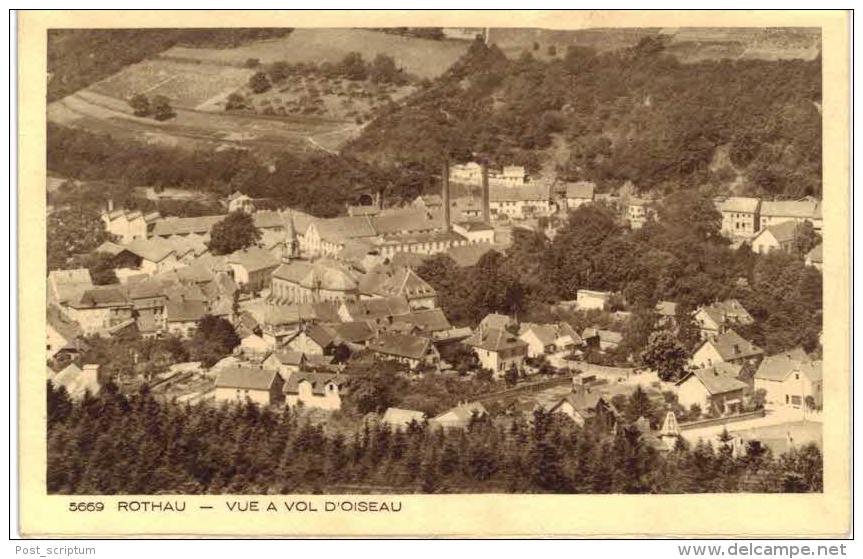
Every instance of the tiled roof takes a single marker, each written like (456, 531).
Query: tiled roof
(246, 377)
(428, 320)
(352, 332)
(268, 220)
(321, 274)
(318, 380)
(493, 339)
(461, 413)
(153, 249)
(68, 329)
(730, 346)
(320, 335)
(377, 308)
(77, 276)
(783, 232)
(580, 189)
(339, 229)
(401, 345)
(524, 193)
(103, 296)
(253, 259)
(715, 381)
(778, 367)
(729, 310)
(185, 311)
(495, 320)
(739, 204)
(409, 220)
(803, 209)
(184, 225)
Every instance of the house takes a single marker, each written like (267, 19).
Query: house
(579, 193)
(815, 258)
(520, 202)
(497, 350)
(586, 299)
(378, 312)
(775, 212)
(779, 237)
(68, 285)
(149, 256)
(458, 417)
(285, 361)
(78, 381)
(182, 316)
(315, 390)
(714, 389)
(716, 318)
(100, 308)
(414, 351)
(638, 211)
(585, 404)
(601, 339)
(789, 379)
(63, 335)
(542, 339)
(426, 321)
(148, 302)
(253, 268)
(128, 225)
(740, 218)
(667, 311)
(727, 347)
(240, 202)
(496, 321)
(254, 384)
(300, 281)
(468, 173)
(254, 347)
(313, 339)
(185, 226)
(398, 418)
(387, 280)
(476, 232)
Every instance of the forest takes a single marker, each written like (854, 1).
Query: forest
(118, 444)
(635, 114)
(80, 57)
(681, 257)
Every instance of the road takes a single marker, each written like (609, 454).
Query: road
(772, 417)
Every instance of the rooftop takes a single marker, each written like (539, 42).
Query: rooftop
(250, 378)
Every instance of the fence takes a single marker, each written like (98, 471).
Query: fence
(721, 420)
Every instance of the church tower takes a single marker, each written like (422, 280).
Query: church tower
(290, 245)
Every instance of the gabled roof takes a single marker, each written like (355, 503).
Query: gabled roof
(320, 335)
(339, 229)
(377, 308)
(250, 378)
(493, 339)
(398, 417)
(146, 289)
(66, 328)
(253, 259)
(462, 412)
(400, 345)
(321, 274)
(730, 345)
(185, 225)
(778, 367)
(352, 332)
(286, 357)
(545, 333)
(103, 296)
(803, 209)
(76, 278)
(428, 320)
(582, 401)
(318, 380)
(580, 189)
(783, 232)
(740, 204)
(153, 249)
(390, 281)
(715, 381)
(185, 311)
(407, 220)
(729, 310)
(496, 320)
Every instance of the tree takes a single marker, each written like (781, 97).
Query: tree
(805, 238)
(510, 377)
(374, 386)
(162, 108)
(214, 338)
(259, 82)
(236, 232)
(101, 267)
(235, 102)
(665, 355)
(353, 67)
(383, 69)
(140, 105)
(71, 232)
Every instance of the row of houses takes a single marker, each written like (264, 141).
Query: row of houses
(743, 217)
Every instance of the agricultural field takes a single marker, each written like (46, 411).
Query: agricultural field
(425, 58)
(187, 85)
(192, 129)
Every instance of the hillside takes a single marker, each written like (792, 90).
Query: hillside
(80, 57)
(634, 114)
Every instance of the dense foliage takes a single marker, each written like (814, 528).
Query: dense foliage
(290, 179)
(632, 114)
(114, 444)
(237, 231)
(73, 231)
(79, 57)
(681, 258)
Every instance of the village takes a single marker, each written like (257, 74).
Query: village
(313, 294)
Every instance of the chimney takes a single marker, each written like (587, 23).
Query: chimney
(90, 371)
(445, 196)
(485, 201)
(110, 205)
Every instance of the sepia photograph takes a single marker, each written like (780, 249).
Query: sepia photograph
(381, 261)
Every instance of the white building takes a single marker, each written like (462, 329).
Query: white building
(740, 218)
(789, 378)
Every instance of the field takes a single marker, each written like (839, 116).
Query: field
(425, 58)
(103, 114)
(187, 85)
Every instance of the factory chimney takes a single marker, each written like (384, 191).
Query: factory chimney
(486, 217)
(445, 202)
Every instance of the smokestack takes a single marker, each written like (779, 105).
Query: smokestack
(486, 217)
(445, 196)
